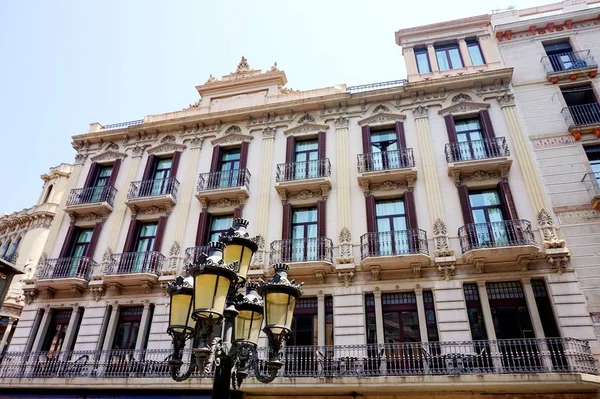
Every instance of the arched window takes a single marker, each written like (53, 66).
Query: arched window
(48, 193)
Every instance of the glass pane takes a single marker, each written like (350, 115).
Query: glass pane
(495, 214)
(384, 225)
(400, 223)
(221, 223)
(391, 328)
(463, 125)
(105, 171)
(164, 163)
(442, 60)
(455, 58)
(389, 207)
(84, 236)
(410, 325)
(304, 215)
(311, 232)
(307, 145)
(231, 155)
(484, 198)
(475, 54)
(479, 216)
(422, 61)
(148, 230)
(79, 251)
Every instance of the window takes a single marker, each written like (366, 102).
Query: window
(544, 306)
(13, 250)
(229, 166)
(304, 234)
(306, 156)
(101, 180)
(161, 176)
(486, 208)
(304, 323)
(401, 326)
(370, 324)
(448, 57)
(432, 331)
(384, 150)
(593, 155)
(128, 327)
(509, 310)
(55, 335)
(469, 137)
(328, 320)
(219, 225)
(583, 105)
(5, 249)
(80, 245)
(422, 60)
(141, 258)
(560, 55)
(48, 193)
(475, 53)
(391, 225)
(474, 311)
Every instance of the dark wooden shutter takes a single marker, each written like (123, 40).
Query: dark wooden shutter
(410, 209)
(94, 241)
(400, 135)
(66, 247)
(366, 139)
(450, 128)
(244, 155)
(290, 149)
(175, 164)
(203, 228)
(322, 218)
(370, 205)
(237, 213)
(465, 204)
(114, 173)
(149, 167)
(129, 241)
(286, 227)
(89, 181)
(506, 201)
(322, 145)
(216, 159)
(160, 233)
(486, 124)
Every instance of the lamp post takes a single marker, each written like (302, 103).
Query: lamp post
(210, 295)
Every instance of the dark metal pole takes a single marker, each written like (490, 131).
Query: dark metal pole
(222, 378)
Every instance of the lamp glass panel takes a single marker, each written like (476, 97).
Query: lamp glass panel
(277, 309)
(180, 311)
(210, 291)
(221, 294)
(232, 253)
(247, 326)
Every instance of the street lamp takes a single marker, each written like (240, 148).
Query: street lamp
(209, 295)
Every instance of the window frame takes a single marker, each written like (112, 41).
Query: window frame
(419, 52)
(446, 48)
(475, 44)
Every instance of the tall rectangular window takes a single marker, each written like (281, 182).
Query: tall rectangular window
(448, 57)
(544, 306)
(304, 234)
(328, 320)
(161, 183)
(305, 323)
(422, 60)
(400, 317)
(306, 155)
(474, 311)
(128, 327)
(218, 226)
(509, 310)
(80, 244)
(560, 55)
(56, 333)
(430, 319)
(370, 318)
(229, 166)
(475, 53)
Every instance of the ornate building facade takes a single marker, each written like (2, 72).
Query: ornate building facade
(413, 210)
(22, 238)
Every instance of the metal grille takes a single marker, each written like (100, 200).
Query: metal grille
(505, 290)
(428, 297)
(508, 233)
(399, 298)
(539, 288)
(369, 300)
(329, 302)
(312, 169)
(61, 314)
(471, 292)
(132, 311)
(477, 149)
(307, 303)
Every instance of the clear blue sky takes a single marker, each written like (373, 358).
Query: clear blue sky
(66, 64)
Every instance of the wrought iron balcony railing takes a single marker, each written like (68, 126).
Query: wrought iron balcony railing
(477, 149)
(11, 257)
(303, 170)
(523, 356)
(386, 160)
(192, 255)
(153, 188)
(582, 115)
(78, 267)
(568, 61)
(317, 249)
(136, 262)
(390, 243)
(592, 183)
(507, 233)
(224, 179)
(89, 195)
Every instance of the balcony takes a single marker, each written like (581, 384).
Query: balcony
(592, 184)
(98, 200)
(133, 268)
(556, 364)
(304, 255)
(581, 119)
(225, 187)
(569, 66)
(394, 250)
(487, 155)
(378, 167)
(193, 254)
(296, 177)
(148, 193)
(66, 273)
(505, 241)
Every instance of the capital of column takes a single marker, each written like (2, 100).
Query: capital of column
(526, 280)
(418, 290)
(420, 112)
(481, 284)
(506, 100)
(377, 294)
(269, 132)
(341, 122)
(320, 295)
(80, 158)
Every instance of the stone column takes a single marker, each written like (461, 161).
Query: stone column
(184, 198)
(112, 328)
(536, 322)
(421, 314)
(9, 327)
(118, 214)
(264, 195)
(379, 317)
(60, 212)
(344, 210)
(410, 61)
(487, 49)
(71, 328)
(489, 324)
(464, 52)
(321, 319)
(41, 332)
(144, 325)
(432, 58)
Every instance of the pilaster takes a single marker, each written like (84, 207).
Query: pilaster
(343, 191)
(144, 325)
(421, 314)
(410, 61)
(112, 328)
(264, 191)
(432, 58)
(321, 318)
(71, 328)
(41, 331)
(379, 317)
(487, 311)
(464, 52)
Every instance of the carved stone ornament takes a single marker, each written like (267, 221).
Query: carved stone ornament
(462, 107)
(346, 278)
(479, 176)
(30, 295)
(166, 148)
(211, 79)
(416, 269)
(232, 135)
(80, 158)
(388, 185)
(154, 210)
(168, 139)
(243, 67)
(382, 118)
(461, 97)
(137, 151)
(320, 275)
(223, 203)
(446, 271)
(546, 224)
(345, 246)
(559, 263)
(380, 108)
(479, 265)
(269, 132)
(579, 217)
(306, 118)
(109, 155)
(420, 112)
(98, 292)
(442, 246)
(258, 257)
(341, 122)
(506, 100)
(197, 142)
(306, 128)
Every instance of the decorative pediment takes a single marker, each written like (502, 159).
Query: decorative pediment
(232, 135)
(166, 148)
(381, 118)
(307, 128)
(110, 155)
(463, 107)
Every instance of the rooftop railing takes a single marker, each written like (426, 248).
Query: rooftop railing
(376, 86)
(121, 125)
